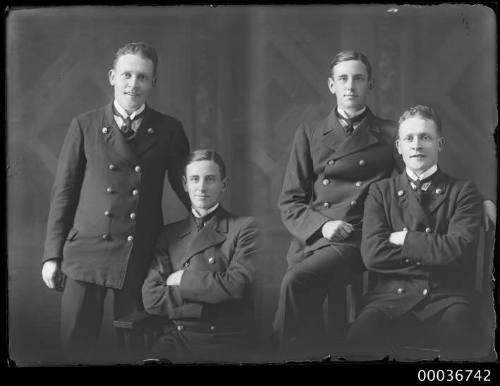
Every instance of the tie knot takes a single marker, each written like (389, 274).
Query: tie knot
(421, 184)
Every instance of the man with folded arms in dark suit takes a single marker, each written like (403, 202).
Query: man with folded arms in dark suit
(419, 239)
(200, 278)
(105, 212)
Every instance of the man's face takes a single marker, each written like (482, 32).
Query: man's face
(350, 83)
(133, 79)
(419, 144)
(204, 184)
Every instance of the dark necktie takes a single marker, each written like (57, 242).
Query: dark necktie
(417, 186)
(348, 123)
(201, 221)
(126, 127)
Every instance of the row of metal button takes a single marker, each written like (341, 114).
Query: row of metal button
(180, 327)
(106, 130)
(327, 204)
(361, 162)
(211, 260)
(132, 215)
(327, 181)
(107, 236)
(425, 291)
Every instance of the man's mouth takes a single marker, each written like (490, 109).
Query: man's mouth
(418, 156)
(133, 94)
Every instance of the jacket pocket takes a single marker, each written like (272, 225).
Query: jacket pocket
(72, 234)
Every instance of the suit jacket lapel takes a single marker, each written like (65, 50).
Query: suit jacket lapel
(333, 132)
(364, 136)
(408, 201)
(114, 139)
(146, 136)
(213, 233)
(438, 191)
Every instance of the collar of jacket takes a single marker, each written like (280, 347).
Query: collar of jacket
(408, 200)
(219, 222)
(365, 135)
(145, 139)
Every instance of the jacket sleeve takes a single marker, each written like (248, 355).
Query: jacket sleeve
(160, 298)
(232, 284)
(379, 255)
(456, 245)
(301, 220)
(180, 151)
(65, 191)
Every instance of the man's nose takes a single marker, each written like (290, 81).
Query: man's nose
(350, 83)
(133, 81)
(417, 144)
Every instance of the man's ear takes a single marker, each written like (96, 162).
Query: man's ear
(225, 183)
(111, 77)
(184, 183)
(370, 84)
(440, 143)
(331, 85)
(397, 142)
(154, 81)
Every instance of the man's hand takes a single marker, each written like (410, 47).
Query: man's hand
(52, 274)
(336, 230)
(175, 278)
(398, 238)
(489, 214)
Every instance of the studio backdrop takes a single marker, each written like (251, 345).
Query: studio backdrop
(241, 79)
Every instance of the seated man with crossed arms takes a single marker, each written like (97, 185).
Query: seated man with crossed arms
(419, 240)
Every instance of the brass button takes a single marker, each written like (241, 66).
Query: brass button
(105, 130)
(151, 131)
(405, 229)
(109, 190)
(400, 290)
(107, 213)
(133, 216)
(358, 183)
(111, 167)
(428, 230)
(362, 162)
(353, 202)
(105, 236)
(326, 205)
(400, 193)
(407, 261)
(138, 169)
(331, 162)
(212, 328)
(130, 238)
(439, 191)
(180, 327)
(326, 181)
(211, 260)
(419, 263)
(425, 291)
(135, 192)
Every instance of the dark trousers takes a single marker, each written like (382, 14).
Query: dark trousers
(82, 310)
(299, 321)
(454, 331)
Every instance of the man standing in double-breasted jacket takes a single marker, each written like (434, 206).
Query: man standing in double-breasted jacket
(332, 163)
(420, 234)
(105, 212)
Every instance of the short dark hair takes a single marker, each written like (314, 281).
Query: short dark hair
(206, 155)
(424, 112)
(139, 48)
(344, 56)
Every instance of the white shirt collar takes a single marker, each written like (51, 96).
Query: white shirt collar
(124, 113)
(197, 215)
(429, 172)
(345, 115)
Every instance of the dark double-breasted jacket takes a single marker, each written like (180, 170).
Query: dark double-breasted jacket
(328, 176)
(105, 211)
(435, 267)
(218, 264)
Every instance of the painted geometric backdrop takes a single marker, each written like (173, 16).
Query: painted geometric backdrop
(241, 79)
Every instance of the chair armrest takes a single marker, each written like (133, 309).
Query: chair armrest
(137, 320)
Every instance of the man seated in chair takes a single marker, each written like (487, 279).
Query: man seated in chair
(201, 274)
(419, 239)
